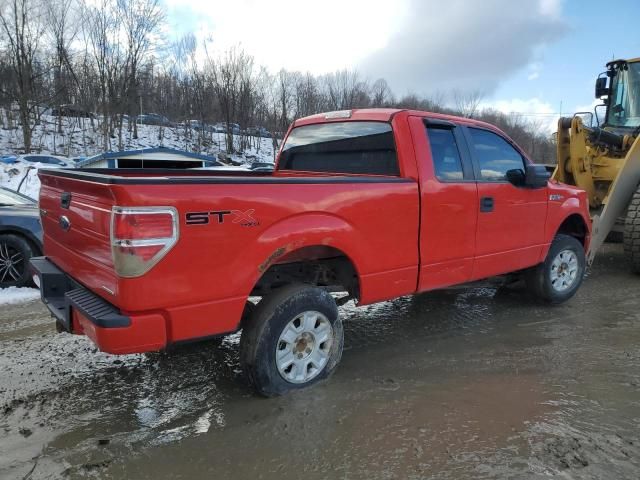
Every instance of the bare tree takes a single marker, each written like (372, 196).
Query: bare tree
(381, 95)
(62, 30)
(102, 27)
(22, 23)
(228, 76)
(140, 22)
(467, 103)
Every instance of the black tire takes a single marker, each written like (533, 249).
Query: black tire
(631, 240)
(540, 281)
(18, 251)
(261, 337)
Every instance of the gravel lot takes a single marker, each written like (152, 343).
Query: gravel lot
(463, 383)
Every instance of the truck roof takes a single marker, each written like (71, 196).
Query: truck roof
(384, 115)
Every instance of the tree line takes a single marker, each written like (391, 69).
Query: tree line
(111, 60)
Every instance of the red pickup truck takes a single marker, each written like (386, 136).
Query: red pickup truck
(365, 205)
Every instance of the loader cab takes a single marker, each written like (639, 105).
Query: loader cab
(622, 95)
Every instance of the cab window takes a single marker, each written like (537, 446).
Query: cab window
(447, 163)
(495, 155)
(341, 147)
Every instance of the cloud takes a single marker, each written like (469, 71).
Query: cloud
(534, 70)
(318, 37)
(463, 45)
(533, 110)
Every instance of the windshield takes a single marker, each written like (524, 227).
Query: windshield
(341, 147)
(624, 107)
(7, 197)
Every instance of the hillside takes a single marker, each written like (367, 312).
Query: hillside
(79, 138)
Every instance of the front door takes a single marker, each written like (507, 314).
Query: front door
(511, 219)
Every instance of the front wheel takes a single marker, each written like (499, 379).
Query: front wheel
(558, 278)
(293, 339)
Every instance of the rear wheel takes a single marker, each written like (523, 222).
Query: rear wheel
(558, 278)
(15, 252)
(293, 339)
(632, 233)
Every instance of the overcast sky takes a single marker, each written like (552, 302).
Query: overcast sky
(526, 56)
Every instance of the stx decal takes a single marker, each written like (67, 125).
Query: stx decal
(244, 218)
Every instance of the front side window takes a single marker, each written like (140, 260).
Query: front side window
(444, 152)
(341, 147)
(495, 155)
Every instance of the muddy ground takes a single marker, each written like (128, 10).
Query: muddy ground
(463, 383)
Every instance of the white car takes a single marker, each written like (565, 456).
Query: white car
(50, 161)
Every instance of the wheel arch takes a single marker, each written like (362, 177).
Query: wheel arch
(318, 265)
(306, 248)
(26, 234)
(575, 226)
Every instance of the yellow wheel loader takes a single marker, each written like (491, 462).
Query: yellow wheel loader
(604, 160)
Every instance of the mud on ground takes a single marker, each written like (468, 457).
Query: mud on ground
(463, 383)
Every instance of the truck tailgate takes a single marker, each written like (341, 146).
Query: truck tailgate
(76, 216)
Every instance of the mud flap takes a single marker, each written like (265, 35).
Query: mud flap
(620, 193)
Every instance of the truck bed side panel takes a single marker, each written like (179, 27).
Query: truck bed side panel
(205, 279)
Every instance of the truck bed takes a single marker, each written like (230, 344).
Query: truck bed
(372, 220)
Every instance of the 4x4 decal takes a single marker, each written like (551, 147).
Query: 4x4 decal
(244, 218)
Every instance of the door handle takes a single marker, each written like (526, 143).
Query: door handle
(486, 204)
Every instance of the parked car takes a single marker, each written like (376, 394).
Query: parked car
(154, 119)
(50, 160)
(262, 167)
(367, 205)
(71, 111)
(223, 127)
(258, 132)
(20, 237)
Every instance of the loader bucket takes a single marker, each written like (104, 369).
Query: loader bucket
(618, 198)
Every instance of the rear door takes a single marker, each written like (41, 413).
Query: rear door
(511, 219)
(448, 203)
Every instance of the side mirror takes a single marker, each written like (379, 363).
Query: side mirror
(516, 177)
(536, 176)
(601, 87)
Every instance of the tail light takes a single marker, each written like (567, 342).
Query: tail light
(140, 237)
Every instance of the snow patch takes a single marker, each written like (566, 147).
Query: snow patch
(81, 137)
(13, 295)
(12, 174)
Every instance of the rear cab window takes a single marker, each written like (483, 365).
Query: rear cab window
(355, 147)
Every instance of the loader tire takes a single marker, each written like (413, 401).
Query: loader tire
(293, 340)
(558, 278)
(631, 240)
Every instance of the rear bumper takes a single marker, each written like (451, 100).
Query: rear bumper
(78, 310)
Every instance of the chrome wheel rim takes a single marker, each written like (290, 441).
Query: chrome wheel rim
(11, 263)
(304, 347)
(564, 270)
